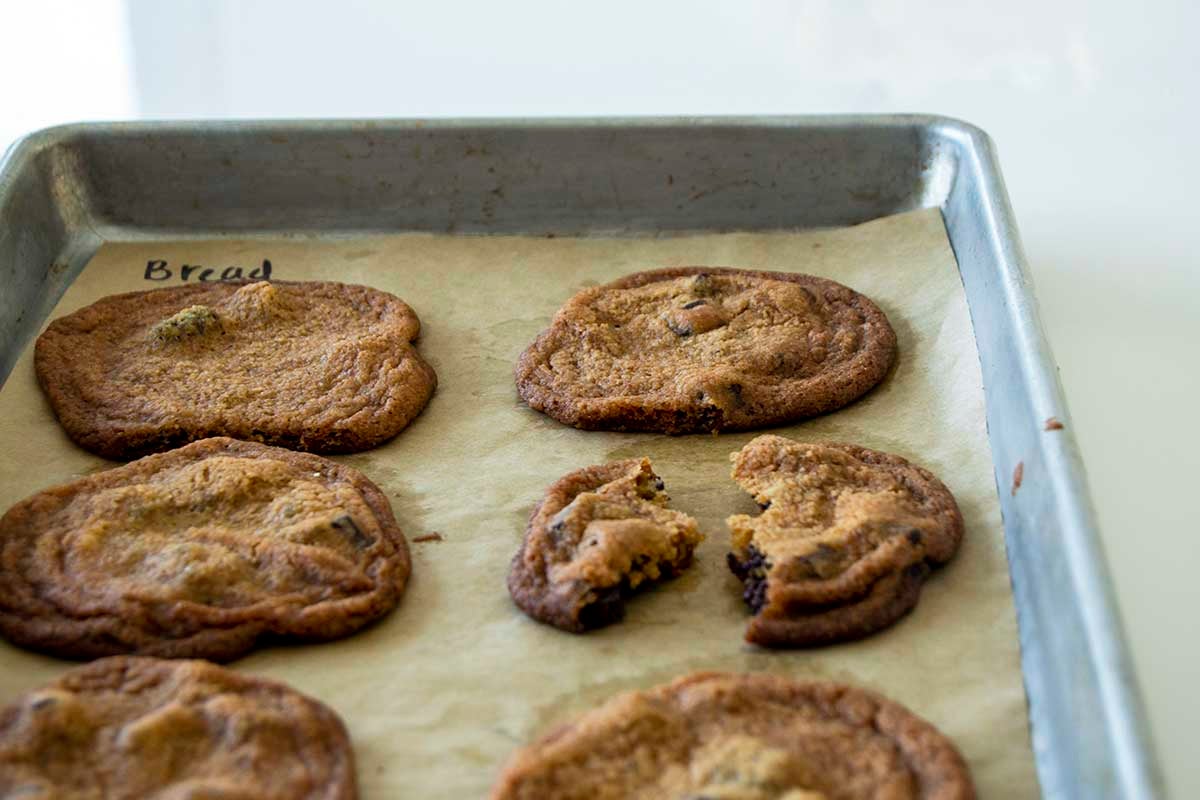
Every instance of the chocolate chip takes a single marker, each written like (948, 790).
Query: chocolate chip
(346, 526)
(743, 567)
(822, 563)
(914, 536)
(755, 594)
(648, 485)
(42, 702)
(604, 607)
(917, 571)
(709, 416)
(752, 571)
(762, 505)
(695, 318)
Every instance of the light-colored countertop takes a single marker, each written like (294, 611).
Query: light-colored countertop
(1092, 104)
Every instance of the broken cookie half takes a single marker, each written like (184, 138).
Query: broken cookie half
(845, 541)
(599, 534)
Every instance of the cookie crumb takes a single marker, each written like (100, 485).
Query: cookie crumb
(430, 537)
(1018, 476)
(1052, 424)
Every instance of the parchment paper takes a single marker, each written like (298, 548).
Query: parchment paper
(438, 694)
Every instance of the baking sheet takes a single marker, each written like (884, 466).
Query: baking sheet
(438, 694)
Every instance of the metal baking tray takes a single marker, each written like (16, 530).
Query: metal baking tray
(65, 190)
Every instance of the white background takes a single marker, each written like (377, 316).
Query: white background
(1093, 106)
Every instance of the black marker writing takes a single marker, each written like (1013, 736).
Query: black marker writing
(160, 270)
(157, 271)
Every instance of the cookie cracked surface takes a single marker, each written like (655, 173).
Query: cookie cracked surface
(317, 366)
(845, 541)
(704, 349)
(199, 552)
(128, 728)
(713, 736)
(598, 535)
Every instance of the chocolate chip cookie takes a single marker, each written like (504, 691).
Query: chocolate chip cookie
(599, 534)
(706, 349)
(322, 367)
(129, 728)
(714, 736)
(199, 552)
(845, 541)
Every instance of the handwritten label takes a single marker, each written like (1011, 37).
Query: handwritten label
(162, 270)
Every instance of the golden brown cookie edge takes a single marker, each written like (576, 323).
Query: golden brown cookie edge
(637, 414)
(882, 603)
(928, 751)
(343, 784)
(122, 440)
(97, 636)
